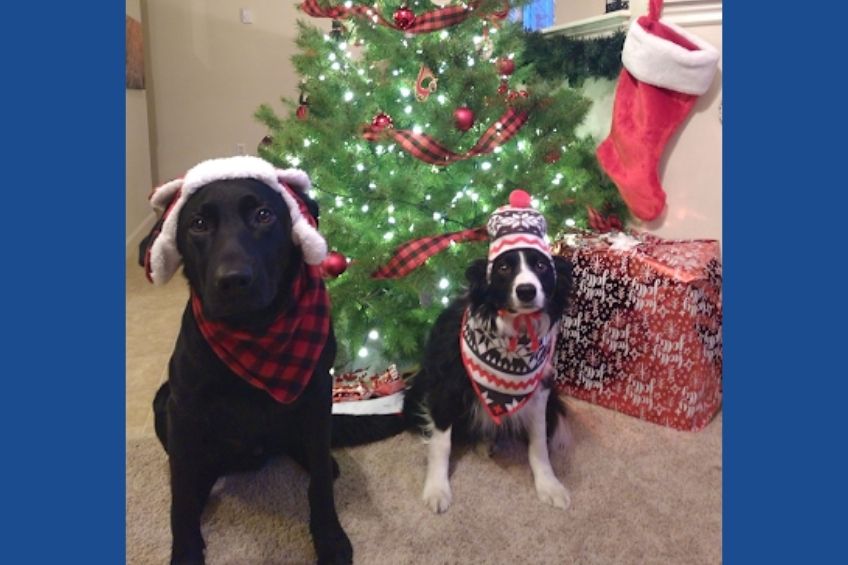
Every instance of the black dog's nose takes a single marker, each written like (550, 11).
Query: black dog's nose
(525, 292)
(234, 280)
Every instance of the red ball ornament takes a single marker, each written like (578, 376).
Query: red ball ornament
(503, 88)
(463, 118)
(506, 66)
(302, 112)
(334, 264)
(519, 199)
(404, 17)
(382, 121)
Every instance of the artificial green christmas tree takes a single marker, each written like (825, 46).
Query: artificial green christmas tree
(417, 120)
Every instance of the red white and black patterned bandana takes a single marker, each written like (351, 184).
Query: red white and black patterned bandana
(505, 370)
(283, 357)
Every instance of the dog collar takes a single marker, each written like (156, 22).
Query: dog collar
(282, 359)
(505, 369)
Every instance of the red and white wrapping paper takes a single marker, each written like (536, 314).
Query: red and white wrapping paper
(362, 385)
(643, 332)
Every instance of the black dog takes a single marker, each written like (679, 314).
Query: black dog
(235, 238)
(442, 403)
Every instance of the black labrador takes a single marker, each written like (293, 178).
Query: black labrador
(235, 239)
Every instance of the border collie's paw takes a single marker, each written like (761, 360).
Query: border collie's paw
(551, 491)
(437, 496)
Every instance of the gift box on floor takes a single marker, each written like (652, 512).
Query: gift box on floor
(642, 334)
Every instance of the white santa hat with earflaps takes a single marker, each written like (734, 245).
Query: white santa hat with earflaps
(163, 259)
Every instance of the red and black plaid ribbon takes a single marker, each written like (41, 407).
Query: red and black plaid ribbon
(602, 224)
(424, 147)
(281, 360)
(412, 254)
(424, 23)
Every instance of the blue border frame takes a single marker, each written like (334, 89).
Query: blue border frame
(784, 306)
(63, 267)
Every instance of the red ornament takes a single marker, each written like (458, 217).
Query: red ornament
(463, 118)
(503, 88)
(552, 156)
(382, 121)
(506, 66)
(302, 112)
(334, 264)
(519, 198)
(404, 17)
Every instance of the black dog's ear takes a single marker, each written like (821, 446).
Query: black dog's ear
(564, 281)
(476, 276)
(148, 240)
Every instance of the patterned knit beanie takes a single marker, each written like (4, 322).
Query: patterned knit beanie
(515, 226)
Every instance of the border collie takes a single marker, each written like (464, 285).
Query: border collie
(508, 320)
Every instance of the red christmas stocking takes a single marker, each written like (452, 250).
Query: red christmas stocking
(665, 70)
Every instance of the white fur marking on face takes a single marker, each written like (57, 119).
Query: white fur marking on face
(526, 275)
(437, 491)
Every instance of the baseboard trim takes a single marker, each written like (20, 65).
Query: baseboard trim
(135, 237)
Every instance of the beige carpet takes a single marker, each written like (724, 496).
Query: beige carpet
(641, 493)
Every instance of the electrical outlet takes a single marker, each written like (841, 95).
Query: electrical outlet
(246, 15)
(240, 149)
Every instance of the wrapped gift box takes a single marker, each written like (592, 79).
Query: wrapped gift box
(643, 331)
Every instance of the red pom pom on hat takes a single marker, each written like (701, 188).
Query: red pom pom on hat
(519, 199)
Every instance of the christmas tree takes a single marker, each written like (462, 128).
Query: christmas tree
(417, 120)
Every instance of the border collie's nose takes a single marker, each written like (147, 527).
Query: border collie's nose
(525, 292)
(232, 281)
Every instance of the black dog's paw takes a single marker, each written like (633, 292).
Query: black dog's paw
(187, 558)
(333, 547)
(191, 561)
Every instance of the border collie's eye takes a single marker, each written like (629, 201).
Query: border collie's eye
(199, 224)
(264, 216)
(541, 267)
(504, 268)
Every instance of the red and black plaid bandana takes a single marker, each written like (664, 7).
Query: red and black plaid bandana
(283, 357)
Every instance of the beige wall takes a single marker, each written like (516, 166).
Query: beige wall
(691, 168)
(138, 167)
(571, 10)
(211, 72)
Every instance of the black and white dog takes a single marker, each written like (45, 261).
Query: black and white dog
(249, 375)
(486, 371)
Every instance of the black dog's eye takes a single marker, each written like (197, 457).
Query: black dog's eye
(541, 266)
(264, 216)
(504, 268)
(199, 224)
